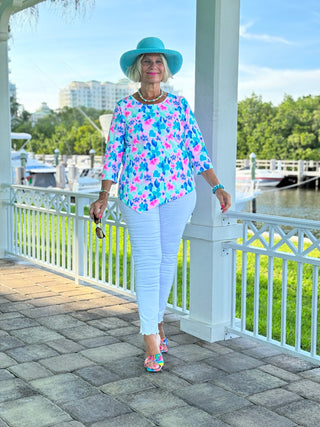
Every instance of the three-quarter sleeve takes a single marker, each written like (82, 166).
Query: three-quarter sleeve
(115, 146)
(194, 143)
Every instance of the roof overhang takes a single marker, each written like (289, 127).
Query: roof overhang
(10, 7)
(13, 6)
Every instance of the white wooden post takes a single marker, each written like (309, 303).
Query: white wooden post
(300, 171)
(78, 239)
(5, 140)
(7, 8)
(217, 41)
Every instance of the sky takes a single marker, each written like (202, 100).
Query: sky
(279, 51)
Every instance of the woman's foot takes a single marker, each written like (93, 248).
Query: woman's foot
(154, 360)
(154, 363)
(152, 343)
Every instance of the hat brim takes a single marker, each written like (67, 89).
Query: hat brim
(173, 58)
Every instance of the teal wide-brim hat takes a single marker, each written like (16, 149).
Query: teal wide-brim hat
(151, 45)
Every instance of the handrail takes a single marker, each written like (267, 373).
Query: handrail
(272, 219)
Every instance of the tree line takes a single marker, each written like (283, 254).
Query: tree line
(66, 129)
(288, 131)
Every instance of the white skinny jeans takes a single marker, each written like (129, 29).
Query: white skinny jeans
(155, 237)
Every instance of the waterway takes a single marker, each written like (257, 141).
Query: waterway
(294, 203)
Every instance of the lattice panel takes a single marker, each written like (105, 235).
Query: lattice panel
(113, 212)
(279, 238)
(41, 199)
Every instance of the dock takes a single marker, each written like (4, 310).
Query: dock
(297, 170)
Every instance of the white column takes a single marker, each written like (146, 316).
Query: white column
(5, 141)
(7, 8)
(217, 42)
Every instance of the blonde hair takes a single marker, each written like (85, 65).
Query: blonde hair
(134, 71)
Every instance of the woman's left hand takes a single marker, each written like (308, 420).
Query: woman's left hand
(224, 199)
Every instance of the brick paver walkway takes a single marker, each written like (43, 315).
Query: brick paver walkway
(71, 356)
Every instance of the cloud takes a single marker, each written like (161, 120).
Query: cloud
(272, 84)
(261, 37)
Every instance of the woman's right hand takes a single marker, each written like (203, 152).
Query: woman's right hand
(98, 207)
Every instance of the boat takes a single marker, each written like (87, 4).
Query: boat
(263, 177)
(39, 174)
(36, 173)
(22, 156)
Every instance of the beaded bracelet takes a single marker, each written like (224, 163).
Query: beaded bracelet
(104, 191)
(216, 187)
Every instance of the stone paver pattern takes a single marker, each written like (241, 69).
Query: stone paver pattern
(71, 356)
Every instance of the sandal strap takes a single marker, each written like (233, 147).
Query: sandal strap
(164, 345)
(154, 363)
(156, 358)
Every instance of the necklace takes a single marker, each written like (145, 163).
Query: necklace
(150, 100)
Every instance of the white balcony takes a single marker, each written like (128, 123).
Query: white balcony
(275, 263)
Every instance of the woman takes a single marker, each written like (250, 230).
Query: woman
(156, 140)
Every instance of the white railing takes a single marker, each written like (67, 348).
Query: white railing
(53, 228)
(275, 263)
(289, 167)
(275, 282)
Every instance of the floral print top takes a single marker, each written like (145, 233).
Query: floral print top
(158, 147)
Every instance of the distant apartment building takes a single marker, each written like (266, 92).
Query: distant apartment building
(94, 94)
(102, 96)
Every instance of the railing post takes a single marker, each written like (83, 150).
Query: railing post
(78, 247)
(216, 111)
(253, 165)
(300, 171)
(61, 176)
(5, 141)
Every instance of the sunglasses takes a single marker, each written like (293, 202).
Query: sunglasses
(99, 232)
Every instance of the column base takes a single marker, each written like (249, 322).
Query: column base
(205, 331)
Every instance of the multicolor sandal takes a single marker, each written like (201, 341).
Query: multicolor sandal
(164, 345)
(154, 363)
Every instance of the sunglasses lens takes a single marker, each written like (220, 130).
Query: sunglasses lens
(99, 233)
